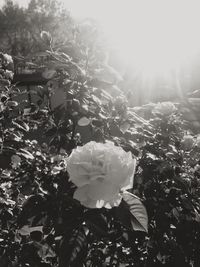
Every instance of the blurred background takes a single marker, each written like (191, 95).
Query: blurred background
(149, 49)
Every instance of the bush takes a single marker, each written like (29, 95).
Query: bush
(43, 225)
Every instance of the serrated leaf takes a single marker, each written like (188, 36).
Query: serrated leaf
(139, 217)
(84, 121)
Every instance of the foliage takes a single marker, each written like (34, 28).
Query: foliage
(41, 223)
(20, 35)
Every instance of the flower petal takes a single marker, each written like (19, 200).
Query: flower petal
(100, 171)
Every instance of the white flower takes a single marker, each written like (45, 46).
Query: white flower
(100, 172)
(164, 108)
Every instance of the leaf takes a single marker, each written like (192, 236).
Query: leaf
(122, 214)
(139, 218)
(15, 136)
(74, 249)
(97, 222)
(46, 252)
(27, 111)
(124, 127)
(21, 125)
(49, 74)
(26, 154)
(12, 104)
(51, 131)
(6, 201)
(197, 216)
(84, 121)
(26, 230)
(115, 130)
(33, 207)
(16, 160)
(97, 123)
(36, 228)
(132, 147)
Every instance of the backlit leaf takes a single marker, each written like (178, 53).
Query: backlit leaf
(25, 153)
(84, 121)
(139, 219)
(21, 125)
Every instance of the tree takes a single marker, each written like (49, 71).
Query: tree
(13, 32)
(21, 34)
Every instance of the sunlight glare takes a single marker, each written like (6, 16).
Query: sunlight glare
(156, 36)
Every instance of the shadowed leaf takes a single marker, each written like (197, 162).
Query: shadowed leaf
(73, 249)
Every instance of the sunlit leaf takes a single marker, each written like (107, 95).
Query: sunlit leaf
(139, 219)
(16, 160)
(84, 121)
(25, 153)
(125, 126)
(27, 111)
(12, 103)
(21, 125)
(26, 229)
(46, 252)
(49, 74)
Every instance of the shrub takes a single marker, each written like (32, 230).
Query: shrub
(43, 225)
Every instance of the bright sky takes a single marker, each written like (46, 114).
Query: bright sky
(78, 7)
(157, 35)
(83, 8)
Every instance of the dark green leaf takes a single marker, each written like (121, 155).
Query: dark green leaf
(73, 249)
(96, 222)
